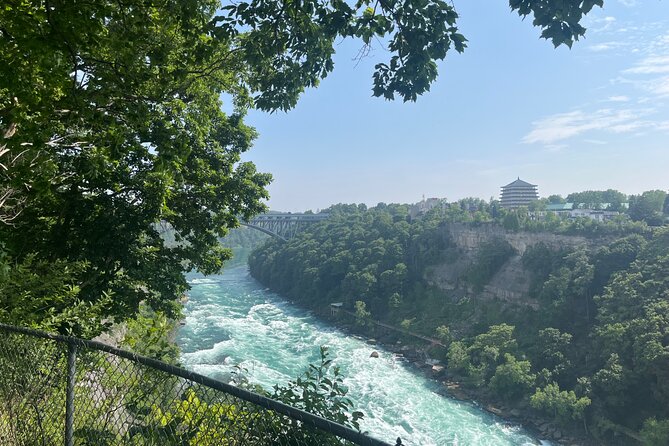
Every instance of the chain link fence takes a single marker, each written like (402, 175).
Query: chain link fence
(58, 390)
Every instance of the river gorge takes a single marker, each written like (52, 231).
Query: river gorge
(231, 320)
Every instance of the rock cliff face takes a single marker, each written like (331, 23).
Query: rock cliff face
(512, 281)
(469, 238)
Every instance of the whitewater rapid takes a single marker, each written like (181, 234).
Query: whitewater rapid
(231, 320)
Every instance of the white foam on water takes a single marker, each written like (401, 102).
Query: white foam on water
(214, 355)
(273, 342)
(199, 281)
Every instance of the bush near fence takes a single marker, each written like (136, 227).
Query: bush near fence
(57, 390)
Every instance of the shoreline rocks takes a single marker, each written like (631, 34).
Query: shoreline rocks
(539, 427)
(416, 358)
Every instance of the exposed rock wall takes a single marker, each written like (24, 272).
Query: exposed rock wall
(512, 281)
(469, 238)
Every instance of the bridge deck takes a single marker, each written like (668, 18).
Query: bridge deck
(284, 225)
(290, 217)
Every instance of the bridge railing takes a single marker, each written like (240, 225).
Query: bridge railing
(293, 217)
(59, 390)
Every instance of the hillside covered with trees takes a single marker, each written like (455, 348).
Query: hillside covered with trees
(112, 121)
(592, 351)
(118, 117)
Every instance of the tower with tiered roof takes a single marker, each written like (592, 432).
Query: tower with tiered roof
(518, 193)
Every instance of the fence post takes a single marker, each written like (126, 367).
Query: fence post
(69, 397)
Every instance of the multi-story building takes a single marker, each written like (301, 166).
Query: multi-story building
(518, 193)
(598, 211)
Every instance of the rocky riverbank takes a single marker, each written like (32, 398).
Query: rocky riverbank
(418, 358)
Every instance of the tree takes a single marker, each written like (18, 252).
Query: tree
(513, 378)
(487, 351)
(395, 300)
(321, 391)
(406, 324)
(458, 358)
(556, 199)
(195, 417)
(552, 348)
(537, 205)
(594, 199)
(563, 405)
(631, 329)
(360, 284)
(648, 207)
(11, 200)
(511, 221)
(111, 116)
(611, 382)
(392, 280)
(655, 432)
(39, 293)
(569, 288)
(615, 199)
(361, 313)
(443, 333)
(118, 128)
(616, 256)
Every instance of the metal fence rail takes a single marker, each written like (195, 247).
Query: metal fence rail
(60, 390)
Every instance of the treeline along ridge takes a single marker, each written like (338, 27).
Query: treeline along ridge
(586, 346)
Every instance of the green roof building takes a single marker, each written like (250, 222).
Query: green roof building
(518, 193)
(558, 207)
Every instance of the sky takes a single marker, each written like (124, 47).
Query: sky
(593, 117)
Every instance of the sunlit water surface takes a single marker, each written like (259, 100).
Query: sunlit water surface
(232, 320)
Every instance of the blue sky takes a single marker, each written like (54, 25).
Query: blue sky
(594, 117)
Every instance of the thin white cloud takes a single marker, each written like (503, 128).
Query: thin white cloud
(562, 126)
(628, 3)
(600, 24)
(651, 65)
(597, 142)
(660, 86)
(658, 45)
(641, 83)
(628, 127)
(651, 73)
(605, 46)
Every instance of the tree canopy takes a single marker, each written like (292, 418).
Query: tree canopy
(117, 125)
(649, 207)
(112, 127)
(585, 342)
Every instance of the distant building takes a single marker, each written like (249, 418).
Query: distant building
(560, 208)
(518, 193)
(422, 207)
(599, 211)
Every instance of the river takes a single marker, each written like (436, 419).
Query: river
(233, 320)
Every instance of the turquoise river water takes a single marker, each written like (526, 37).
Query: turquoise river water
(233, 320)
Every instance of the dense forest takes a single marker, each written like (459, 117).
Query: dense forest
(112, 124)
(112, 121)
(588, 344)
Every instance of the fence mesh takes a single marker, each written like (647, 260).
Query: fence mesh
(117, 398)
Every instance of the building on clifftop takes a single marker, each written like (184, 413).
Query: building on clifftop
(518, 193)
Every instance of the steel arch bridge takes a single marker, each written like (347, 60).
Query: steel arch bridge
(283, 225)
